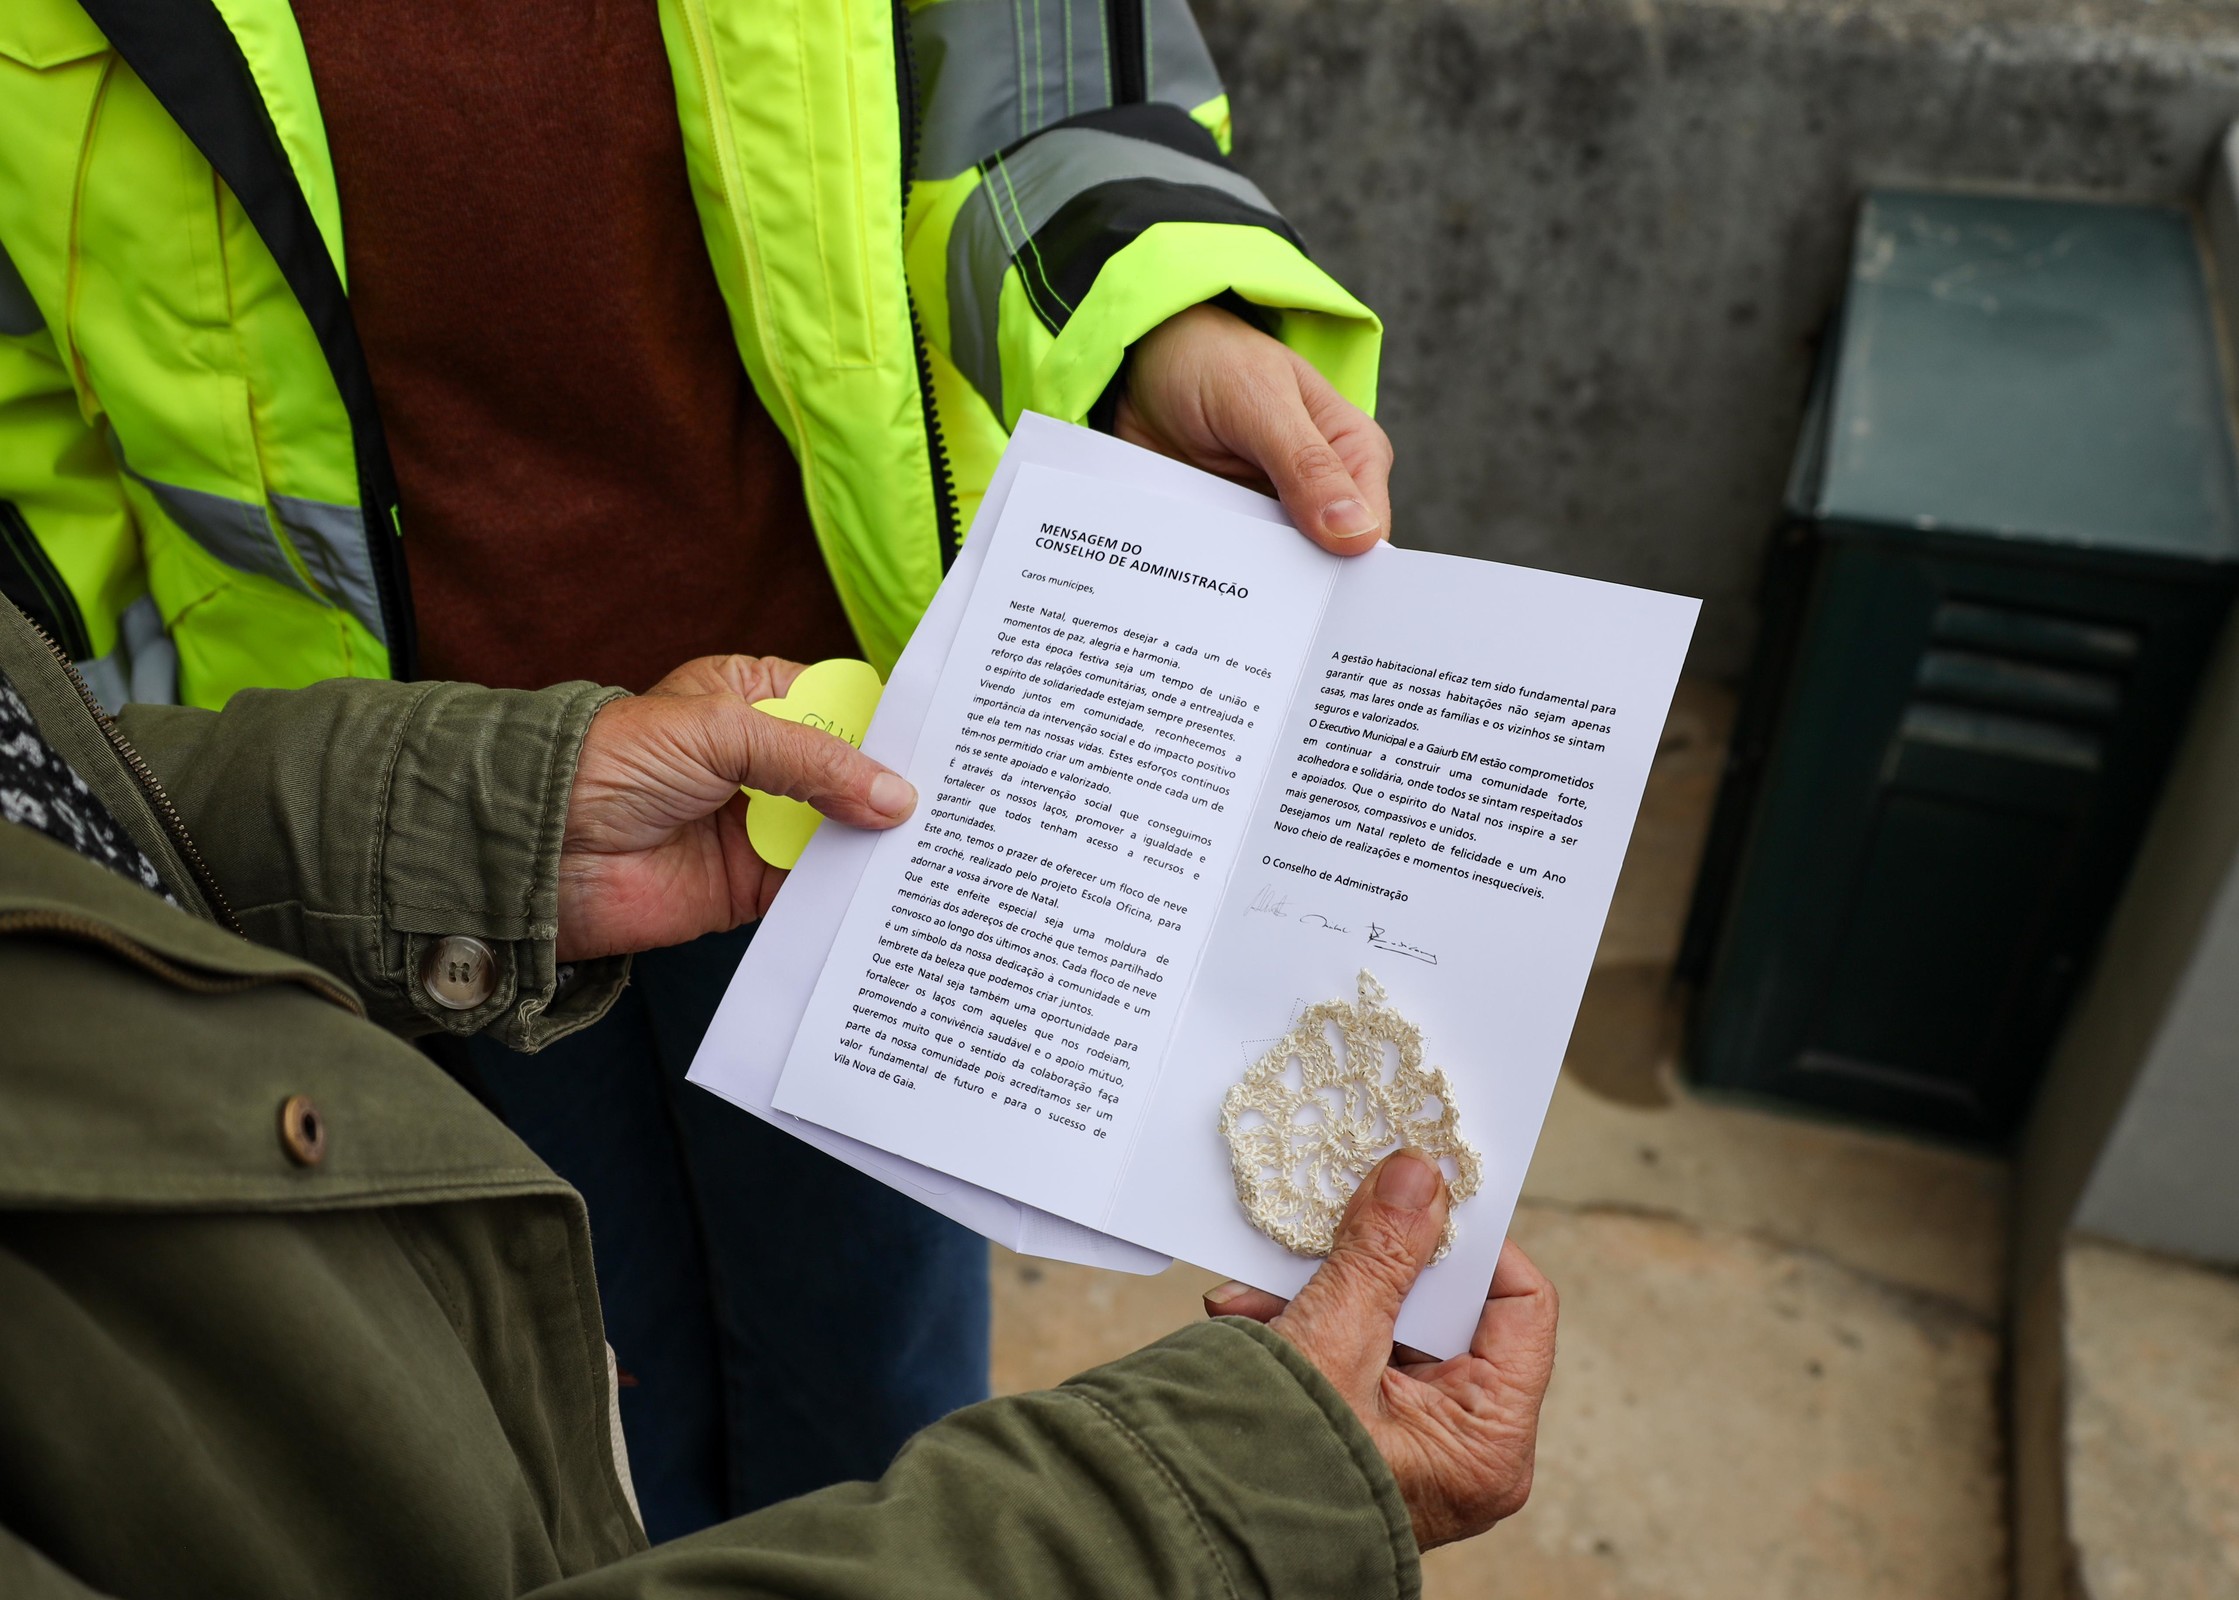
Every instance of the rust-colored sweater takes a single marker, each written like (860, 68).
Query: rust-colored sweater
(590, 488)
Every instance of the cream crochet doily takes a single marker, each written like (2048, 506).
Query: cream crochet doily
(1302, 1143)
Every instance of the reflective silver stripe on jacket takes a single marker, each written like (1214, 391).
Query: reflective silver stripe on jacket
(1017, 196)
(235, 531)
(144, 667)
(994, 72)
(330, 539)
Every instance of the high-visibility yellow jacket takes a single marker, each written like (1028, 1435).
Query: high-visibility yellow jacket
(194, 492)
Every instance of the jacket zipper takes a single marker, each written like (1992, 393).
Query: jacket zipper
(151, 788)
(93, 931)
(944, 488)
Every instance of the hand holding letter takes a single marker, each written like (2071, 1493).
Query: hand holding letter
(1208, 388)
(656, 850)
(1458, 1435)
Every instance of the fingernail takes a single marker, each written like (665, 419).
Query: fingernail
(1407, 1181)
(1347, 519)
(892, 795)
(1226, 1292)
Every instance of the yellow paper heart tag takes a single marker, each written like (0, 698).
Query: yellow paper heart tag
(837, 696)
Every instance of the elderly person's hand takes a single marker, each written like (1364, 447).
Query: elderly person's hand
(1459, 1435)
(655, 851)
(1208, 388)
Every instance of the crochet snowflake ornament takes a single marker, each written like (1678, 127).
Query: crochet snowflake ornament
(1301, 1142)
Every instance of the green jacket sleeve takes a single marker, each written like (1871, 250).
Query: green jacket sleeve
(356, 822)
(1071, 190)
(25, 1574)
(1214, 1464)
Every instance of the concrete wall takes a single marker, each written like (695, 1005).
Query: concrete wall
(1605, 234)
(2165, 1180)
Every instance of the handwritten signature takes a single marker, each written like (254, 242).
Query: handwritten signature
(1272, 902)
(1379, 939)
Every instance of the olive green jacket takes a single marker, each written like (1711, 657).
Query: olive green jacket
(227, 1372)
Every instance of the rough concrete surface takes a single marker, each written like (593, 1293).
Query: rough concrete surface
(1916, 1218)
(1606, 234)
(1731, 1418)
(1780, 1341)
(2153, 1426)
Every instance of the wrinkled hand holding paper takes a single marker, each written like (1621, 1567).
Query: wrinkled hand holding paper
(836, 696)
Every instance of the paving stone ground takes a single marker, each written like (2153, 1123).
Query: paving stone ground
(1779, 1362)
(2153, 1443)
(1734, 1417)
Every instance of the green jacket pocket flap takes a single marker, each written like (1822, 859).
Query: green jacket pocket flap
(48, 33)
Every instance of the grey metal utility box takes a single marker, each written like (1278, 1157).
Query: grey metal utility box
(2013, 532)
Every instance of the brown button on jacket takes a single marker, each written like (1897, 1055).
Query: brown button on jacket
(284, 1313)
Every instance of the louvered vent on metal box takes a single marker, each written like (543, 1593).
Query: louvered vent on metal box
(2013, 533)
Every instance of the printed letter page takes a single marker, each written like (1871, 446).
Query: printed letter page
(743, 1053)
(1001, 995)
(1451, 799)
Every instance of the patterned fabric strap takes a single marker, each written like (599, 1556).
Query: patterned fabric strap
(38, 790)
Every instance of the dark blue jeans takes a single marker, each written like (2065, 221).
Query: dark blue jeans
(782, 1321)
